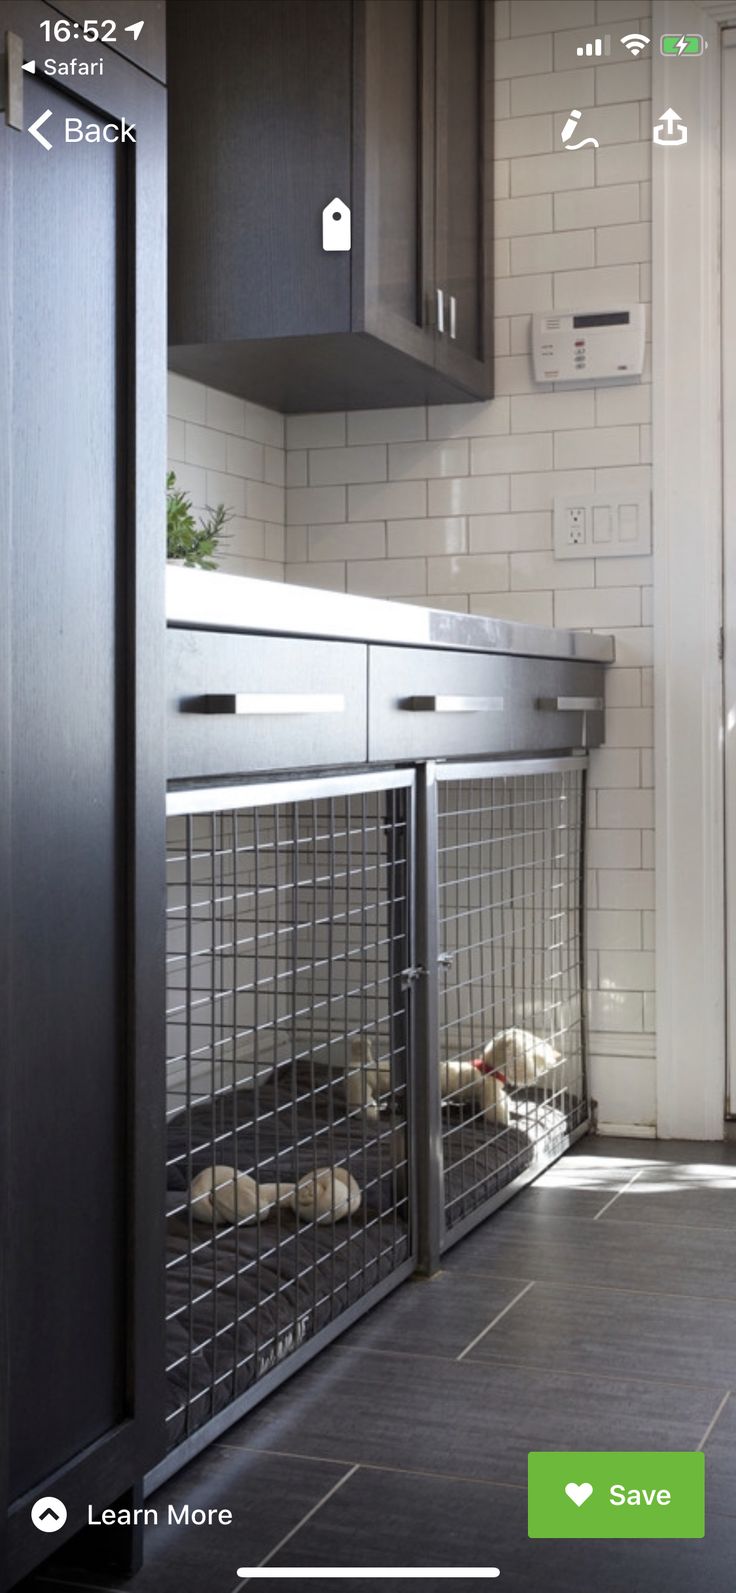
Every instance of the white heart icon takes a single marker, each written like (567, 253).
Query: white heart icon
(579, 1492)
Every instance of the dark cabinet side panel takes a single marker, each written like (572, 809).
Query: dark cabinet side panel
(82, 420)
(68, 1026)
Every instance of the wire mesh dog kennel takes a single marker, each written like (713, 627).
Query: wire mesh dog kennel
(510, 1036)
(289, 1168)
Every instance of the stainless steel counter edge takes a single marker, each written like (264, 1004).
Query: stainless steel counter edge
(206, 600)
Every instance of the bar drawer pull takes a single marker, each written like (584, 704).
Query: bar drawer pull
(440, 301)
(270, 702)
(571, 705)
(453, 705)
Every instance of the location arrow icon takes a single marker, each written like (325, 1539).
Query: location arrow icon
(29, 66)
(34, 129)
(135, 28)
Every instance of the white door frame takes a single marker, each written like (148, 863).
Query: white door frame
(687, 479)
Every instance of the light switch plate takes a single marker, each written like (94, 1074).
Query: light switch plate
(603, 525)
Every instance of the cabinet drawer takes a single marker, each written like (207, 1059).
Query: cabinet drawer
(237, 704)
(430, 704)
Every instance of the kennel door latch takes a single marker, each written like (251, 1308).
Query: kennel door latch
(409, 977)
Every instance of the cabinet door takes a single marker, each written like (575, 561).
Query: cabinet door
(463, 176)
(259, 126)
(82, 418)
(393, 250)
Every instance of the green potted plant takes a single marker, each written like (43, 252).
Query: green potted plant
(187, 541)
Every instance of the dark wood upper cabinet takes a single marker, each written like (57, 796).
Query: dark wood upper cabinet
(277, 107)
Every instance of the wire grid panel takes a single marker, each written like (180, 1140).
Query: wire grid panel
(512, 1065)
(287, 1081)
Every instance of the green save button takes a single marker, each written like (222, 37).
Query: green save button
(614, 1494)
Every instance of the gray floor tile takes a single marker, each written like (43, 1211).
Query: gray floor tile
(656, 1258)
(425, 1521)
(720, 1459)
(437, 1316)
(468, 1418)
(268, 1495)
(579, 1186)
(697, 1194)
(633, 1335)
(717, 1152)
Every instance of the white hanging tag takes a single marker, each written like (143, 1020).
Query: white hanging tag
(336, 226)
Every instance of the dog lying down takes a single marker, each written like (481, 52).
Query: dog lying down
(225, 1195)
(513, 1059)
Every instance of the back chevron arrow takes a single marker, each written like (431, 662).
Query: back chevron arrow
(34, 129)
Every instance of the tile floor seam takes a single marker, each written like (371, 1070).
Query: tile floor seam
(533, 1366)
(627, 1222)
(599, 1377)
(611, 1288)
(497, 1318)
(618, 1194)
(88, 1587)
(375, 1465)
(714, 1420)
(310, 1514)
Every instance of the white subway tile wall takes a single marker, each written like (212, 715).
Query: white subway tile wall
(453, 506)
(224, 450)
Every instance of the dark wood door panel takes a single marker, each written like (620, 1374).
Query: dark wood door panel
(67, 886)
(82, 434)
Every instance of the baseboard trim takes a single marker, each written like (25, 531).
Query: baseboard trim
(625, 1131)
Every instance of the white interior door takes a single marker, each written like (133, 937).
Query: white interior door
(728, 192)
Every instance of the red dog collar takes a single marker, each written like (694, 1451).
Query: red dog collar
(480, 1063)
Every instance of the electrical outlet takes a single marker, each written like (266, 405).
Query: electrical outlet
(575, 526)
(603, 525)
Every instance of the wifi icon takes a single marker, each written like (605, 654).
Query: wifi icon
(635, 42)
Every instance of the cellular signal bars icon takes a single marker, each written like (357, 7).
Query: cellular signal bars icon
(596, 46)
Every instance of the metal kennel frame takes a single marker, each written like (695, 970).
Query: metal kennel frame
(333, 942)
(500, 916)
(288, 1049)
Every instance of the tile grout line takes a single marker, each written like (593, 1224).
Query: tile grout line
(497, 1318)
(308, 1517)
(375, 1465)
(618, 1194)
(487, 1362)
(610, 1288)
(713, 1420)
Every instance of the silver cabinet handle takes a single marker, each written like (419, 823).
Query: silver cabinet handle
(440, 310)
(11, 82)
(269, 702)
(453, 316)
(571, 705)
(453, 705)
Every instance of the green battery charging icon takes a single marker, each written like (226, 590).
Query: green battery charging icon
(682, 44)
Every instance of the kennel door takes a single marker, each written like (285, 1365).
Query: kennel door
(289, 1159)
(511, 1052)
